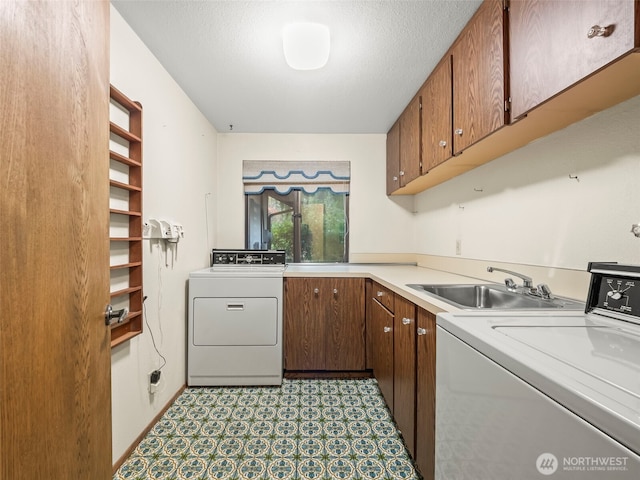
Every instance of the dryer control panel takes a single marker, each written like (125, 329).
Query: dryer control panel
(247, 257)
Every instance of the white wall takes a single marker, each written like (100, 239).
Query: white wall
(179, 153)
(529, 210)
(378, 224)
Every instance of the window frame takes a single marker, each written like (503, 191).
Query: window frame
(297, 222)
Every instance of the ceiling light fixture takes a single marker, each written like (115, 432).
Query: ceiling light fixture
(306, 45)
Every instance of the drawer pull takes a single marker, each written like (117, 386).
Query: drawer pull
(235, 306)
(598, 31)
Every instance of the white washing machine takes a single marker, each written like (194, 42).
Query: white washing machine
(235, 320)
(529, 395)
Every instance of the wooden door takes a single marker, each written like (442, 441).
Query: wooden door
(344, 329)
(478, 77)
(410, 167)
(550, 46)
(55, 355)
(393, 158)
(404, 364)
(382, 336)
(305, 301)
(426, 393)
(436, 116)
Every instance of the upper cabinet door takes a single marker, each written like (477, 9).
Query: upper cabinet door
(436, 116)
(393, 158)
(556, 43)
(478, 77)
(410, 142)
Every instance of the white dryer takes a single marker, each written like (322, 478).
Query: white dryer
(235, 320)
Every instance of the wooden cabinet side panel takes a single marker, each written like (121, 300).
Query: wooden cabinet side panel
(426, 394)
(393, 158)
(383, 350)
(550, 49)
(368, 292)
(344, 332)
(404, 364)
(303, 325)
(410, 146)
(478, 77)
(437, 117)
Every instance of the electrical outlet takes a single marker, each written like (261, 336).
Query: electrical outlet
(458, 246)
(154, 380)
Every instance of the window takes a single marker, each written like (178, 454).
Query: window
(299, 207)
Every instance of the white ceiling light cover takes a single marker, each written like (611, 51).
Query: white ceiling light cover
(306, 45)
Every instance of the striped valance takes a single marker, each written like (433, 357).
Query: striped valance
(284, 176)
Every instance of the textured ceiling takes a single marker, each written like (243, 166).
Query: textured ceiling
(227, 56)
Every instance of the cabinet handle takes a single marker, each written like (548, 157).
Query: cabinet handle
(422, 331)
(395, 179)
(406, 321)
(335, 291)
(386, 329)
(316, 290)
(402, 173)
(379, 293)
(598, 31)
(458, 131)
(443, 143)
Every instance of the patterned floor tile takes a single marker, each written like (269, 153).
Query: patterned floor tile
(303, 430)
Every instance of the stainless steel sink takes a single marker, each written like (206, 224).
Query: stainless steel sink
(472, 297)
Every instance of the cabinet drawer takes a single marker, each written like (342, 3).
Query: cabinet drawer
(384, 296)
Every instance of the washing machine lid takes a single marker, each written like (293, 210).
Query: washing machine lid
(606, 353)
(587, 364)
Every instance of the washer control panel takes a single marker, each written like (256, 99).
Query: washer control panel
(247, 257)
(615, 291)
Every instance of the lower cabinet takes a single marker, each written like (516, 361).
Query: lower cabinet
(324, 323)
(324, 329)
(404, 375)
(425, 393)
(381, 324)
(401, 344)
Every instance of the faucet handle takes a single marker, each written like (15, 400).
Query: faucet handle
(544, 291)
(511, 285)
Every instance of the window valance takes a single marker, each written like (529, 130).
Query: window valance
(284, 176)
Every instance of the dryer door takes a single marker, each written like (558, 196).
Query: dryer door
(236, 321)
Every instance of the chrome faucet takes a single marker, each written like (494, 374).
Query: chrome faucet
(541, 290)
(527, 282)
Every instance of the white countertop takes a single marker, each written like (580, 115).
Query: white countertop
(394, 277)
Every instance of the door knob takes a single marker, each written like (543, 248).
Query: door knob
(112, 316)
